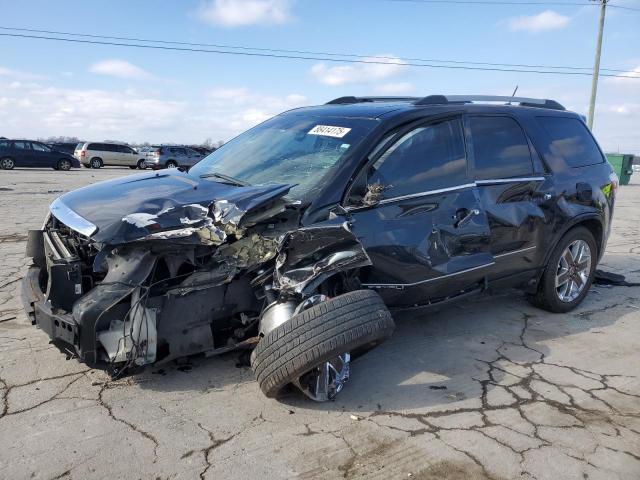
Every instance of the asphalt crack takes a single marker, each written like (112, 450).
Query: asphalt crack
(129, 424)
(525, 389)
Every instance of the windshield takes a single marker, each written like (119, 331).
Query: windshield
(290, 148)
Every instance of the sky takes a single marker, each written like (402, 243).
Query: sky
(98, 92)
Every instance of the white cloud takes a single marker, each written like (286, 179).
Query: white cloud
(399, 88)
(236, 109)
(34, 110)
(623, 78)
(383, 68)
(240, 13)
(547, 20)
(119, 68)
(18, 75)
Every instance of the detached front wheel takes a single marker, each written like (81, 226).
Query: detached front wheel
(312, 349)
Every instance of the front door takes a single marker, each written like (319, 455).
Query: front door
(419, 217)
(42, 155)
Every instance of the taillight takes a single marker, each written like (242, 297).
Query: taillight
(83, 153)
(615, 181)
(158, 151)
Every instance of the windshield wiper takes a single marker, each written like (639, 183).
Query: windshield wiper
(226, 178)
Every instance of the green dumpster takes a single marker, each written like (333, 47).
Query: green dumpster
(621, 163)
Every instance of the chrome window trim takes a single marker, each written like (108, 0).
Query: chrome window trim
(428, 280)
(513, 252)
(427, 193)
(509, 180)
(493, 181)
(71, 219)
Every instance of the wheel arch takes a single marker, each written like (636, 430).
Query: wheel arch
(591, 222)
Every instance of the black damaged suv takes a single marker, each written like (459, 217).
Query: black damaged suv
(294, 238)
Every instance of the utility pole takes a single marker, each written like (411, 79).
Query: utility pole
(596, 65)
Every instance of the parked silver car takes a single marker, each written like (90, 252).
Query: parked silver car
(96, 155)
(171, 156)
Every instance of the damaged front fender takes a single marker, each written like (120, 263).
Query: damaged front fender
(308, 256)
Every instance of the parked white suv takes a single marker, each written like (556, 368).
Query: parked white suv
(96, 155)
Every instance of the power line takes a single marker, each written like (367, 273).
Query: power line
(301, 57)
(306, 52)
(492, 2)
(624, 7)
(509, 2)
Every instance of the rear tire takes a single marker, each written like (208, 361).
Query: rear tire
(548, 296)
(7, 163)
(342, 324)
(140, 164)
(96, 162)
(171, 164)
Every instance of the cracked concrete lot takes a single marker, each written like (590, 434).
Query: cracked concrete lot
(488, 389)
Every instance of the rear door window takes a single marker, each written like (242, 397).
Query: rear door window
(500, 148)
(571, 139)
(22, 145)
(427, 158)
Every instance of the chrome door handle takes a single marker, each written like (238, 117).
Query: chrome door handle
(467, 218)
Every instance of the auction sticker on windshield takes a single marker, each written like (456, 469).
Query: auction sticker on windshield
(329, 131)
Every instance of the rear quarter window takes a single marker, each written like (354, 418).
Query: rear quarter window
(4, 144)
(571, 139)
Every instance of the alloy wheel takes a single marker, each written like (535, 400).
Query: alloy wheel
(574, 268)
(325, 381)
(7, 164)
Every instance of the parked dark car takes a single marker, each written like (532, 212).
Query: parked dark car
(64, 147)
(171, 156)
(294, 238)
(27, 153)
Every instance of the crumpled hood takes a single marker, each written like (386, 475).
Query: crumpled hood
(133, 207)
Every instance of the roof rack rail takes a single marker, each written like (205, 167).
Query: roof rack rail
(351, 99)
(523, 101)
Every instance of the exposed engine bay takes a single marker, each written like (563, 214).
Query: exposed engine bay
(188, 279)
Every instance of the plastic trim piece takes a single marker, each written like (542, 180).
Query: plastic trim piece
(513, 252)
(428, 280)
(509, 180)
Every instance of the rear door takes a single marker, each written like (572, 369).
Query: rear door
(512, 184)
(116, 154)
(23, 155)
(419, 216)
